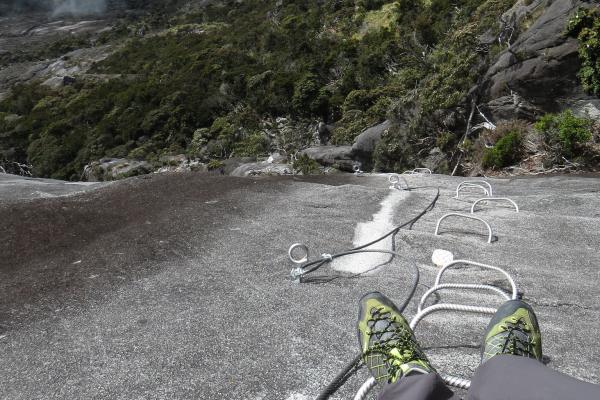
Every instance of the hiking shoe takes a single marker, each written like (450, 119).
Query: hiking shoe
(513, 330)
(387, 343)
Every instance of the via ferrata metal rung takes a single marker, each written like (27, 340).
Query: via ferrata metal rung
(478, 183)
(454, 263)
(471, 185)
(395, 179)
(467, 216)
(471, 286)
(494, 199)
(448, 307)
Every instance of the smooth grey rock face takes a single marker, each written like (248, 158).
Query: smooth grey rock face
(114, 168)
(512, 107)
(324, 132)
(231, 164)
(36, 30)
(365, 143)
(338, 156)
(262, 168)
(176, 286)
(277, 158)
(435, 159)
(541, 65)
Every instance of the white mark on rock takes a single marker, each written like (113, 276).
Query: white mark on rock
(77, 262)
(365, 232)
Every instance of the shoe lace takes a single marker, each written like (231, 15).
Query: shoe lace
(514, 343)
(391, 340)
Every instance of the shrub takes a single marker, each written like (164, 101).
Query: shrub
(214, 164)
(585, 26)
(564, 132)
(306, 165)
(254, 145)
(445, 140)
(505, 152)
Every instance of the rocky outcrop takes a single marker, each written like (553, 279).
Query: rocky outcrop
(180, 163)
(262, 168)
(537, 72)
(365, 143)
(108, 169)
(325, 132)
(339, 157)
(513, 106)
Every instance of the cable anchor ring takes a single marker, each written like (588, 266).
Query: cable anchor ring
(298, 254)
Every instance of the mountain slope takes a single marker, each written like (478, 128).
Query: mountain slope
(211, 79)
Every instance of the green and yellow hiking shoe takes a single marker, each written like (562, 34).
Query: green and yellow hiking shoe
(387, 343)
(513, 330)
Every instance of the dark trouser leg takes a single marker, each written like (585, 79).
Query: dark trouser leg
(506, 377)
(417, 387)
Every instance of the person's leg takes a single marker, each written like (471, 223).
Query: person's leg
(511, 365)
(393, 355)
(418, 387)
(508, 377)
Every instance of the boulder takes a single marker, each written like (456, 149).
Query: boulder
(365, 143)
(108, 169)
(436, 161)
(512, 107)
(262, 168)
(339, 157)
(277, 158)
(180, 163)
(231, 164)
(585, 107)
(324, 131)
(541, 65)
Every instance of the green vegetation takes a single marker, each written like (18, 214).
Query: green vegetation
(564, 133)
(305, 165)
(205, 83)
(585, 26)
(434, 82)
(214, 165)
(505, 152)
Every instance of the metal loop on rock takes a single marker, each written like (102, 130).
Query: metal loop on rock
(295, 248)
(470, 286)
(494, 199)
(479, 183)
(437, 227)
(509, 278)
(471, 185)
(448, 307)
